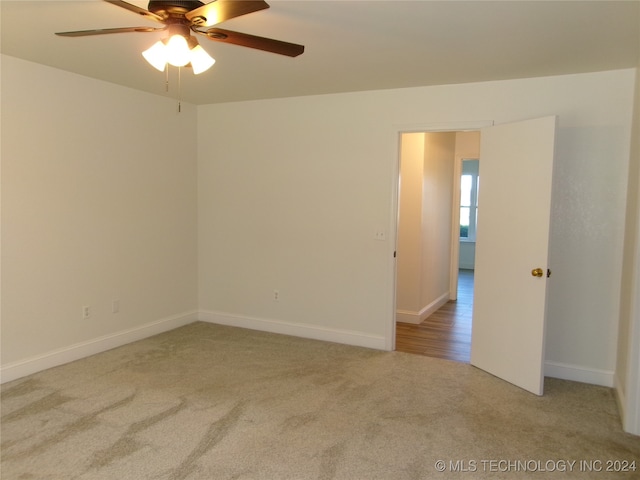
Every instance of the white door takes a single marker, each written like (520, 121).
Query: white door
(514, 202)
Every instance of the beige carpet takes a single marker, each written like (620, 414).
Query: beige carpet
(212, 402)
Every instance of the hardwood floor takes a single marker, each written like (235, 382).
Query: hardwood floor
(447, 332)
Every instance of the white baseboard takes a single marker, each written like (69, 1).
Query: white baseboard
(314, 332)
(22, 368)
(604, 378)
(28, 366)
(406, 316)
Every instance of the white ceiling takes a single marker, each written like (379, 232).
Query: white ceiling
(350, 45)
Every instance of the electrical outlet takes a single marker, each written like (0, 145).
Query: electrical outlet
(380, 235)
(276, 295)
(86, 312)
(115, 306)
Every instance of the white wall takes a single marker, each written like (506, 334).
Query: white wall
(437, 217)
(98, 201)
(410, 225)
(467, 255)
(98, 204)
(291, 192)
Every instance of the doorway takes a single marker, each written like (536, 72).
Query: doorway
(436, 243)
(506, 287)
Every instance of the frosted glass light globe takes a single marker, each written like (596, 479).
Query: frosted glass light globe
(178, 53)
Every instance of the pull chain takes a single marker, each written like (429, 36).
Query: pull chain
(166, 84)
(179, 89)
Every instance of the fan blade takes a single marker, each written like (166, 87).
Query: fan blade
(135, 9)
(220, 10)
(252, 41)
(103, 31)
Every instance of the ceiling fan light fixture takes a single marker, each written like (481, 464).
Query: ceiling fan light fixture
(186, 51)
(156, 55)
(201, 61)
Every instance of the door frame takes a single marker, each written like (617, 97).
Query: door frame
(629, 402)
(398, 131)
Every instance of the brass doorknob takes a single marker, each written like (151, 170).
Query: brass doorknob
(537, 272)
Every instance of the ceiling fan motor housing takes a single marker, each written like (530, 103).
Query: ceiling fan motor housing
(167, 8)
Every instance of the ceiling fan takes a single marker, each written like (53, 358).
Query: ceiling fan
(180, 17)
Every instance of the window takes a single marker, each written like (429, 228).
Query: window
(469, 183)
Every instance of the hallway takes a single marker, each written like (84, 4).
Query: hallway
(447, 332)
